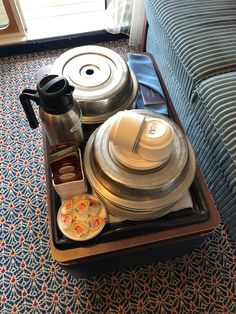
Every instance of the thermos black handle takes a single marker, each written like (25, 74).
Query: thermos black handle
(25, 97)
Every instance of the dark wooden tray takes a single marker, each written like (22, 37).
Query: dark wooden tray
(128, 237)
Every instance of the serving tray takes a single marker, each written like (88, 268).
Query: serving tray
(171, 234)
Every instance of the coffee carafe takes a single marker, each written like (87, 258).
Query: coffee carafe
(60, 116)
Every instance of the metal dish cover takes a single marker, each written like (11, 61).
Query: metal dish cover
(104, 83)
(138, 195)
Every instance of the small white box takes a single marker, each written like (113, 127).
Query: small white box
(72, 188)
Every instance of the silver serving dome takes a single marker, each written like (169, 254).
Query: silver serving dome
(103, 82)
(138, 194)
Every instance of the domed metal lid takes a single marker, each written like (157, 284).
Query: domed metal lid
(103, 82)
(139, 194)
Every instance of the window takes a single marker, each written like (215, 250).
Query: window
(50, 18)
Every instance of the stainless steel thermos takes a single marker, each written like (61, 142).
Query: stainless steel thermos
(60, 116)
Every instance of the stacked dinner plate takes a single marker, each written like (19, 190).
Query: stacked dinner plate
(132, 187)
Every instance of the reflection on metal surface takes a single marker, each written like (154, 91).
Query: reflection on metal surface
(103, 82)
(136, 194)
(4, 21)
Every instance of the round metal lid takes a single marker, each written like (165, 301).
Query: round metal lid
(103, 82)
(116, 176)
(138, 194)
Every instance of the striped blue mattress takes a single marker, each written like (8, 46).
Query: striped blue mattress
(209, 121)
(194, 44)
(198, 36)
(213, 134)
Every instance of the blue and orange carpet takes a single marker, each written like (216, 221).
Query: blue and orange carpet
(203, 281)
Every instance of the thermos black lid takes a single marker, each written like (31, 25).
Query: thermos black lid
(55, 94)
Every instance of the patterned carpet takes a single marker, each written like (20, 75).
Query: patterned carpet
(31, 282)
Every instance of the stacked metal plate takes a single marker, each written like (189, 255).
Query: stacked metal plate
(138, 193)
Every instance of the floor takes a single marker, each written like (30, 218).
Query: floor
(202, 281)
